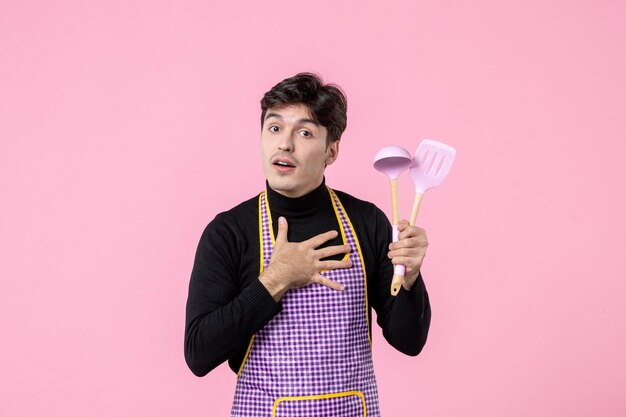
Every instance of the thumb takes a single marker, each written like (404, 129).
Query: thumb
(281, 236)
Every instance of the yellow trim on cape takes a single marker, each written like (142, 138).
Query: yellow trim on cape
(358, 246)
(343, 233)
(263, 196)
(321, 397)
(262, 262)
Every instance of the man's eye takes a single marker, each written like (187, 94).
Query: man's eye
(274, 129)
(306, 133)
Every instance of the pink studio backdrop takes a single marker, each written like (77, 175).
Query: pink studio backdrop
(125, 126)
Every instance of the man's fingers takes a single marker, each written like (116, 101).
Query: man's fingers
(328, 283)
(332, 250)
(403, 260)
(403, 224)
(409, 242)
(328, 265)
(281, 236)
(316, 241)
(410, 263)
(407, 252)
(411, 231)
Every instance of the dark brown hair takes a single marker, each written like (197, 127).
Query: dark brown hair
(326, 102)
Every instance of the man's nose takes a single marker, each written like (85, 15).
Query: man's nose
(285, 143)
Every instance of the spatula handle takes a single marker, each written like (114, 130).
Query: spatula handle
(416, 207)
(398, 277)
(400, 270)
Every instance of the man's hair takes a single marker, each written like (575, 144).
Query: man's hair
(326, 102)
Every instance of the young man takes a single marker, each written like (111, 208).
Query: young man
(283, 284)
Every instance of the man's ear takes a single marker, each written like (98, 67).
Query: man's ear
(332, 152)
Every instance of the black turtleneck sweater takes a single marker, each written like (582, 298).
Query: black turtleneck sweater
(227, 304)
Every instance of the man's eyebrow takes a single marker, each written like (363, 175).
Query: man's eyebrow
(309, 121)
(268, 115)
(278, 116)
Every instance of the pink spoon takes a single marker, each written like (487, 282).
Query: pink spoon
(431, 164)
(392, 161)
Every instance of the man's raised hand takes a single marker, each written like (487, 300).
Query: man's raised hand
(295, 265)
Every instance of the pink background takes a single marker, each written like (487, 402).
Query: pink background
(125, 126)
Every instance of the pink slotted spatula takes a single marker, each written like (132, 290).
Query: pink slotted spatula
(431, 164)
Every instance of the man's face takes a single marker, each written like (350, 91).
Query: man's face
(294, 151)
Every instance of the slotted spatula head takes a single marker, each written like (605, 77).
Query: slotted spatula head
(431, 163)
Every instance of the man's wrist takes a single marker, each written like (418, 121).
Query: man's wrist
(273, 286)
(409, 283)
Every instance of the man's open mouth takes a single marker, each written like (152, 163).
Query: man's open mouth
(283, 163)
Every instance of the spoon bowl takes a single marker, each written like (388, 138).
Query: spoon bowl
(393, 161)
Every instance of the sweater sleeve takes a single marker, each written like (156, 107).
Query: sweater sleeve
(221, 317)
(405, 318)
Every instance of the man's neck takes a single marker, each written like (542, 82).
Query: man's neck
(298, 206)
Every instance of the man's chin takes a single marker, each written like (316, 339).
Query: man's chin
(283, 187)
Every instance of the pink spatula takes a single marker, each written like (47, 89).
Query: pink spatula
(431, 164)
